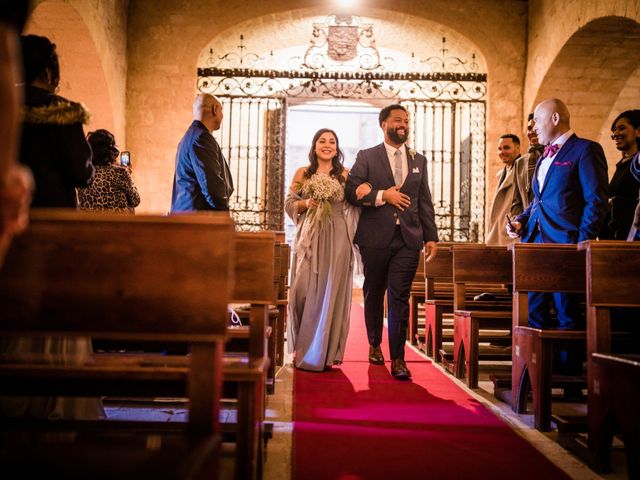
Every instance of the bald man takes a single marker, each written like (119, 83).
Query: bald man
(202, 179)
(569, 205)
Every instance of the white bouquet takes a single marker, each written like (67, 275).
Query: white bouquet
(322, 188)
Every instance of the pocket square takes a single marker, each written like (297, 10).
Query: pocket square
(563, 164)
(415, 170)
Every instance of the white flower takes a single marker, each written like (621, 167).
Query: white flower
(412, 153)
(322, 188)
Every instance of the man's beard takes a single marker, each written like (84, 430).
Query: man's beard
(396, 137)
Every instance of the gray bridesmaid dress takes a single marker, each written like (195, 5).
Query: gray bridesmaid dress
(320, 291)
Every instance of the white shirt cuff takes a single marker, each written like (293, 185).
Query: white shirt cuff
(379, 201)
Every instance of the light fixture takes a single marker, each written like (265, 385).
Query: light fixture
(344, 4)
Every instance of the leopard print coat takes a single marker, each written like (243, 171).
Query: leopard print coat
(112, 189)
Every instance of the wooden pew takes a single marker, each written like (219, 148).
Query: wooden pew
(541, 268)
(614, 408)
(475, 321)
(613, 276)
(439, 292)
(438, 274)
(416, 296)
(277, 311)
(254, 274)
(283, 288)
(128, 278)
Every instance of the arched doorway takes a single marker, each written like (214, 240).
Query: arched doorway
(444, 95)
(593, 74)
(82, 75)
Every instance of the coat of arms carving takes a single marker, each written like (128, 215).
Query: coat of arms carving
(342, 42)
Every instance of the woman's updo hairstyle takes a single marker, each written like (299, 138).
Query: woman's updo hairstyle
(103, 145)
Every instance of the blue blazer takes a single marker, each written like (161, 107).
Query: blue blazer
(572, 204)
(377, 224)
(202, 179)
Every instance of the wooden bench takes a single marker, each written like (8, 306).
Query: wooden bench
(283, 289)
(118, 277)
(613, 407)
(416, 297)
(277, 311)
(541, 268)
(253, 285)
(438, 275)
(613, 372)
(480, 320)
(246, 364)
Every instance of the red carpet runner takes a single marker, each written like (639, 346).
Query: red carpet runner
(356, 422)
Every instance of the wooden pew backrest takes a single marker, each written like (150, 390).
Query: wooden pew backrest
(254, 268)
(481, 264)
(131, 278)
(440, 269)
(110, 268)
(547, 267)
(609, 262)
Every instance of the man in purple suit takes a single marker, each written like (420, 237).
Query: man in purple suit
(569, 206)
(389, 181)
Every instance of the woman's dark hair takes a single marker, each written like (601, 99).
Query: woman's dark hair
(38, 56)
(103, 144)
(336, 161)
(633, 117)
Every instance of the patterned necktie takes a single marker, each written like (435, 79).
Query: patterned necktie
(397, 173)
(550, 150)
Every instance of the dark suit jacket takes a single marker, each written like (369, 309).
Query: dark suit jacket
(202, 180)
(572, 204)
(376, 225)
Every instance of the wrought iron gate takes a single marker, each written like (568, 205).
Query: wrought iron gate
(252, 139)
(447, 108)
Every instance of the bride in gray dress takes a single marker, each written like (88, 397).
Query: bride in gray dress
(320, 292)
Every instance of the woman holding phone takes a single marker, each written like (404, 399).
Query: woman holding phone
(112, 188)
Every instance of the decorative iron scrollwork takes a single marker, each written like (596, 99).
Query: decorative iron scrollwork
(443, 93)
(443, 63)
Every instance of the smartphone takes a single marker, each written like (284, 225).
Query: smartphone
(509, 222)
(511, 226)
(125, 159)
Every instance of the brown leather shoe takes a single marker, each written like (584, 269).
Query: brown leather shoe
(399, 369)
(375, 355)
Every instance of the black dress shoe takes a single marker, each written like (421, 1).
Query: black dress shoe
(399, 369)
(375, 355)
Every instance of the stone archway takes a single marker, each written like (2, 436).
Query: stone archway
(82, 75)
(628, 99)
(593, 73)
(445, 95)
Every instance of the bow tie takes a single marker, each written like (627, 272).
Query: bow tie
(550, 150)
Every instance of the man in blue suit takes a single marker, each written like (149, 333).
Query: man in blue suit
(569, 206)
(202, 179)
(389, 181)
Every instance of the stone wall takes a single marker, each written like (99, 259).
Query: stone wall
(91, 40)
(165, 42)
(585, 52)
(134, 64)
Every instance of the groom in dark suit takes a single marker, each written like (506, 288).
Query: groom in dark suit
(389, 181)
(569, 206)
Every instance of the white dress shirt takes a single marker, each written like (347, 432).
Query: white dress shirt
(391, 152)
(547, 161)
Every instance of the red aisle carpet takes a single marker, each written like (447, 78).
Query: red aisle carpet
(356, 422)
